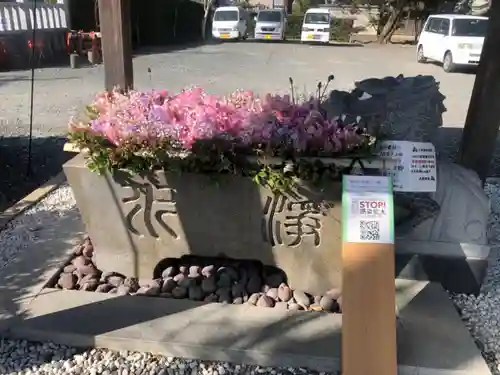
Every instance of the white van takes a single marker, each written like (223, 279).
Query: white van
(316, 25)
(230, 23)
(452, 39)
(270, 24)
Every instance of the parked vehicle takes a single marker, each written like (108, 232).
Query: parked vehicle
(230, 23)
(270, 24)
(452, 39)
(316, 25)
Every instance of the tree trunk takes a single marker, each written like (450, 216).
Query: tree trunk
(479, 137)
(390, 26)
(208, 7)
(175, 20)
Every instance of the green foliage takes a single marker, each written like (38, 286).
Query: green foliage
(212, 158)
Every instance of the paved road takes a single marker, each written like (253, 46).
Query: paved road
(219, 68)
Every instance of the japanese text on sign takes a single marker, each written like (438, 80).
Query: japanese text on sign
(415, 169)
(367, 207)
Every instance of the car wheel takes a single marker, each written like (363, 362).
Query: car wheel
(420, 55)
(448, 64)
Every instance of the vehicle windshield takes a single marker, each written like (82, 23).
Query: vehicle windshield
(269, 17)
(319, 18)
(226, 15)
(469, 27)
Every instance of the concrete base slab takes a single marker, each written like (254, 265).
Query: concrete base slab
(32, 265)
(431, 337)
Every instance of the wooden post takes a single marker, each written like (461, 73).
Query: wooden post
(368, 282)
(480, 133)
(115, 27)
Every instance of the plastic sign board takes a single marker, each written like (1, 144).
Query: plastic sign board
(367, 209)
(415, 169)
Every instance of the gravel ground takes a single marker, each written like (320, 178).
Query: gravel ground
(481, 314)
(29, 358)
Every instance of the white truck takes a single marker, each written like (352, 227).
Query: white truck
(230, 22)
(316, 25)
(270, 24)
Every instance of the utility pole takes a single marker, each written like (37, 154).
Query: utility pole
(480, 133)
(115, 27)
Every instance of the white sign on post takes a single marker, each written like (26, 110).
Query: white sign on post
(415, 169)
(367, 209)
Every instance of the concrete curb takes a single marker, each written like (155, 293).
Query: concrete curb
(30, 200)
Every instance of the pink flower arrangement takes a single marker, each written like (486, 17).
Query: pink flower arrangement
(270, 122)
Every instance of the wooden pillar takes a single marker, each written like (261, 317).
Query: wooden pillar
(115, 25)
(483, 118)
(368, 290)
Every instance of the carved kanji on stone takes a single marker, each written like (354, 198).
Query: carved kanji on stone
(288, 222)
(147, 206)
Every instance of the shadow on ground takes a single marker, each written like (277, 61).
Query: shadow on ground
(448, 143)
(18, 177)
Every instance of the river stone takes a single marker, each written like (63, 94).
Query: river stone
(187, 282)
(253, 299)
(238, 301)
(89, 285)
(284, 292)
(80, 261)
(77, 250)
(238, 290)
(67, 281)
(281, 305)
(89, 269)
(151, 290)
(88, 250)
(254, 284)
(328, 304)
(168, 272)
(265, 301)
(294, 307)
(301, 298)
(211, 298)
(194, 272)
(123, 290)
(104, 288)
(116, 281)
(230, 272)
(224, 295)
(132, 283)
(179, 277)
(179, 292)
(208, 271)
(275, 280)
(69, 268)
(224, 280)
(105, 276)
(273, 293)
(334, 293)
(243, 276)
(195, 293)
(168, 285)
(209, 285)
